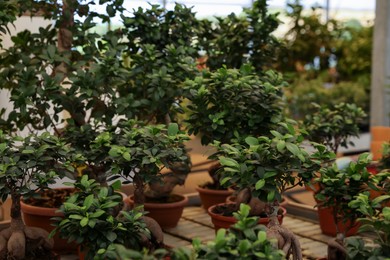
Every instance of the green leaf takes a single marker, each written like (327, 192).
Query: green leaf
(262, 236)
(3, 146)
(126, 156)
(260, 184)
(84, 222)
(228, 162)
(173, 129)
(252, 141)
(281, 145)
(271, 195)
(293, 148)
(111, 236)
(88, 201)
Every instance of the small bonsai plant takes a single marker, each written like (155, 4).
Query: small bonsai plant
(26, 165)
(384, 162)
(94, 219)
(233, 102)
(333, 126)
(244, 240)
(262, 168)
(139, 152)
(376, 219)
(340, 186)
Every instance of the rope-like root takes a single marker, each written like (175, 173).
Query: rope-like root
(336, 249)
(14, 245)
(285, 239)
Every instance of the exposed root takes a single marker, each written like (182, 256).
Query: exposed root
(157, 236)
(286, 240)
(16, 244)
(336, 249)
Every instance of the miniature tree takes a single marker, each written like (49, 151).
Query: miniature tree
(27, 165)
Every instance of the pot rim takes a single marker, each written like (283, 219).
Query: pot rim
(183, 202)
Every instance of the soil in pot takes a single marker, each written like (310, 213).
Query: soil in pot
(166, 211)
(38, 211)
(222, 215)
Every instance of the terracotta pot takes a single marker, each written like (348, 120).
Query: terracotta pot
(167, 215)
(220, 221)
(328, 226)
(232, 199)
(376, 150)
(210, 197)
(36, 216)
(380, 133)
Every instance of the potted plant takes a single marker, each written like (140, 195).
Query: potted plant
(28, 164)
(334, 125)
(246, 239)
(229, 103)
(138, 153)
(94, 219)
(264, 167)
(376, 219)
(338, 188)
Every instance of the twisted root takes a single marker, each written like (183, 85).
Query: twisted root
(285, 239)
(15, 244)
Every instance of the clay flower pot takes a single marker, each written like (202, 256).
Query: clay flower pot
(232, 199)
(210, 197)
(37, 216)
(167, 214)
(221, 221)
(328, 226)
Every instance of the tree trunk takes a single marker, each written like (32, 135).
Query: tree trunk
(16, 215)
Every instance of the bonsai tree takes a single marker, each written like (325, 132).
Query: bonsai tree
(263, 167)
(93, 217)
(338, 188)
(333, 126)
(233, 102)
(26, 165)
(233, 41)
(245, 239)
(77, 83)
(376, 219)
(139, 152)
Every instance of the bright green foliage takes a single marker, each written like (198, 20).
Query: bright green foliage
(233, 41)
(376, 219)
(244, 240)
(338, 187)
(333, 126)
(231, 101)
(270, 165)
(91, 219)
(139, 152)
(302, 93)
(30, 163)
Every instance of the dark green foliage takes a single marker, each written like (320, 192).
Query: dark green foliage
(333, 126)
(160, 55)
(231, 101)
(93, 219)
(30, 163)
(235, 40)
